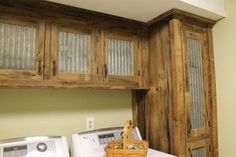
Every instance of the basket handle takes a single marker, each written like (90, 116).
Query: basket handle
(127, 135)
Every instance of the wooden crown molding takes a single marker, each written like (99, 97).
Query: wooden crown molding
(184, 17)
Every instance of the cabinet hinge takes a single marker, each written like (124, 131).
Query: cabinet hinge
(97, 38)
(138, 44)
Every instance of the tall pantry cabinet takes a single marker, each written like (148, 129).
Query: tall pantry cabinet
(178, 113)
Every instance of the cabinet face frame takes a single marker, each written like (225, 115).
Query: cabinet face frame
(25, 74)
(55, 74)
(205, 144)
(204, 131)
(136, 52)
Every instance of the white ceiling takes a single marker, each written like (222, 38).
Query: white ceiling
(145, 10)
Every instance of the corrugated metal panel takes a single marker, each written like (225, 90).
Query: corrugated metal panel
(200, 152)
(17, 47)
(120, 57)
(74, 49)
(196, 83)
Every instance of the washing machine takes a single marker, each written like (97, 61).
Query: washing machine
(92, 143)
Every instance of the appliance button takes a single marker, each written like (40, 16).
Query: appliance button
(42, 147)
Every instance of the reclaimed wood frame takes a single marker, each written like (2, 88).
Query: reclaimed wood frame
(204, 143)
(166, 111)
(136, 52)
(189, 32)
(37, 73)
(54, 72)
(59, 16)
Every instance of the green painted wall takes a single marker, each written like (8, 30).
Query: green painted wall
(27, 112)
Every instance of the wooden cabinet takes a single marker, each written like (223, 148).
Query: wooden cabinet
(200, 148)
(21, 49)
(170, 58)
(178, 113)
(76, 56)
(121, 58)
(197, 79)
(197, 100)
(72, 53)
(76, 51)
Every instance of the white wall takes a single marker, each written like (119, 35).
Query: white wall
(145, 10)
(225, 59)
(216, 6)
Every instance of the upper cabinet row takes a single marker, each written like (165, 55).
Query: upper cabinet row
(72, 54)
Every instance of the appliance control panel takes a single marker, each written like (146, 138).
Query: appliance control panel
(93, 142)
(43, 146)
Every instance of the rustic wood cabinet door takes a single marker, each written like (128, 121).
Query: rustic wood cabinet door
(121, 58)
(21, 49)
(196, 85)
(72, 51)
(199, 149)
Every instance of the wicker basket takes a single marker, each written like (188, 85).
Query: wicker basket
(139, 147)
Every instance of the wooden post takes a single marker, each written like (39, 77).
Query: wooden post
(178, 144)
(140, 114)
(213, 105)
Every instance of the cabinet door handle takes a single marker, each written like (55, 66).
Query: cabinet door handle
(39, 67)
(97, 70)
(54, 68)
(189, 126)
(105, 70)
